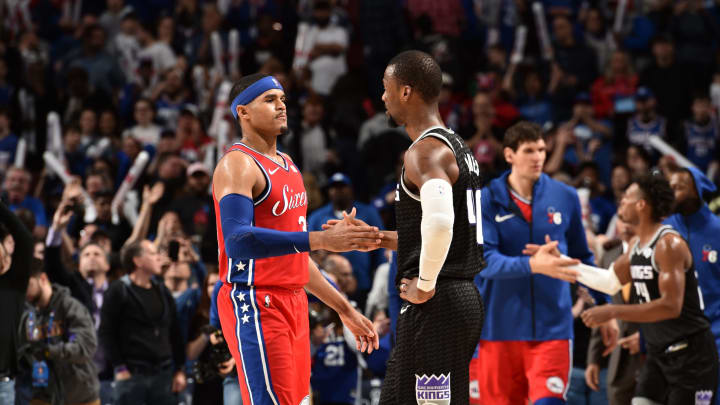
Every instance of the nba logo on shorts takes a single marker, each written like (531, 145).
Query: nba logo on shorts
(433, 390)
(703, 397)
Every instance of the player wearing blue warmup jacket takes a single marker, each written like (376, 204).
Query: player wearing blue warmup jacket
(701, 229)
(529, 324)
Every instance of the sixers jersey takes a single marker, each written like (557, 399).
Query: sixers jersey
(645, 273)
(702, 142)
(281, 206)
(638, 132)
(465, 257)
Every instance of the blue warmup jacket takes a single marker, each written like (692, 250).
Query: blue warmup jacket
(520, 305)
(702, 232)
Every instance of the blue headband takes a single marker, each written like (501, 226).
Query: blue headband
(254, 90)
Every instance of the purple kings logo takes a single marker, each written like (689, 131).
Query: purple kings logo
(433, 390)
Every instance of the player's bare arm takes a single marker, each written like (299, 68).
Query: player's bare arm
(366, 336)
(673, 259)
(239, 176)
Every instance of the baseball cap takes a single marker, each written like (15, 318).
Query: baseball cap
(339, 178)
(197, 167)
(643, 93)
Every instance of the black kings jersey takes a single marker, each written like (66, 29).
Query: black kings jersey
(644, 272)
(465, 257)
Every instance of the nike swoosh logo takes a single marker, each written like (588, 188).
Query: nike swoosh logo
(296, 249)
(403, 309)
(273, 171)
(503, 218)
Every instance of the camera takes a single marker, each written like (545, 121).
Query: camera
(206, 368)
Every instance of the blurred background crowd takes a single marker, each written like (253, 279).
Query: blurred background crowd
(96, 87)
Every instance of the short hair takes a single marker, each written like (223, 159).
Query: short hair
(95, 243)
(129, 253)
(701, 95)
(523, 131)
(36, 267)
(420, 71)
(658, 194)
(244, 83)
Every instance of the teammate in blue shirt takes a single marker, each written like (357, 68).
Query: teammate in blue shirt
(701, 229)
(526, 341)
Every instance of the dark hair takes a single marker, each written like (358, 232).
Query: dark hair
(27, 217)
(658, 194)
(4, 232)
(95, 243)
(420, 71)
(5, 111)
(701, 95)
(146, 100)
(642, 153)
(36, 267)
(244, 83)
(97, 236)
(523, 131)
(74, 127)
(129, 253)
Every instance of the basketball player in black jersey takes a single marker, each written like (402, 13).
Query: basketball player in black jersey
(682, 361)
(439, 243)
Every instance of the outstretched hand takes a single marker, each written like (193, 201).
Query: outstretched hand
(351, 234)
(351, 219)
(547, 260)
(366, 336)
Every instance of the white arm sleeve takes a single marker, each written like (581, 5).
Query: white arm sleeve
(598, 279)
(436, 229)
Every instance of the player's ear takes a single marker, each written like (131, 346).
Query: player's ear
(508, 153)
(406, 92)
(242, 111)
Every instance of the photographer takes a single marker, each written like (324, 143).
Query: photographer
(207, 346)
(57, 342)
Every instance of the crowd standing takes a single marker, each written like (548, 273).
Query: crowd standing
(118, 253)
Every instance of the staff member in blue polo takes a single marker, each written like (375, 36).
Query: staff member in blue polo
(525, 348)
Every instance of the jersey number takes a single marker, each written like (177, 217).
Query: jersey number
(334, 356)
(474, 209)
(303, 223)
(642, 292)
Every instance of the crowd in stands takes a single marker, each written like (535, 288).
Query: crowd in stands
(101, 85)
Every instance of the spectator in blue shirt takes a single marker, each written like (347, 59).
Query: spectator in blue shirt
(342, 198)
(8, 141)
(16, 187)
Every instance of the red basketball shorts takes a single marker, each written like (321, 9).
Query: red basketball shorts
(510, 372)
(268, 335)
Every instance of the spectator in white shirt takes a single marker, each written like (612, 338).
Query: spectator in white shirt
(145, 130)
(320, 47)
(160, 53)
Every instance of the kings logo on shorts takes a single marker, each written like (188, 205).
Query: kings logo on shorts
(433, 390)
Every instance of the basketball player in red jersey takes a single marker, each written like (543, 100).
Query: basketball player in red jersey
(263, 257)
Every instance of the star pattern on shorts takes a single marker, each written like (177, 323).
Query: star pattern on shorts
(241, 296)
(245, 318)
(240, 266)
(245, 307)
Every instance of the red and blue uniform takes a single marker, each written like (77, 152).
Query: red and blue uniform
(262, 305)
